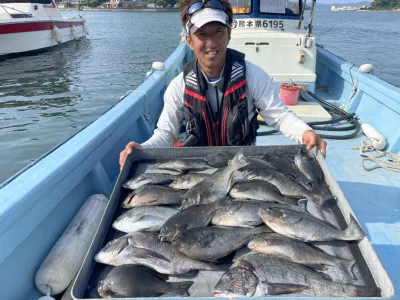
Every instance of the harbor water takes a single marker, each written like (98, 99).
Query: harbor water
(48, 96)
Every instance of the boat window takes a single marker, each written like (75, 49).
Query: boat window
(240, 6)
(287, 7)
(26, 1)
(16, 16)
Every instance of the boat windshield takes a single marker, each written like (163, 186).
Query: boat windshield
(26, 1)
(280, 7)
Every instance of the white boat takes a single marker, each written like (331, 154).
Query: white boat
(28, 25)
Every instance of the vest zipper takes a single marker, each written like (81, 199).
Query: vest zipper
(217, 123)
(207, 127)
(223, 125)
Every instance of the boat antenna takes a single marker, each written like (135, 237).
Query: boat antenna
(302, 13)
(309, 28)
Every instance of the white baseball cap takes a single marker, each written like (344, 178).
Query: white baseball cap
(204, 16)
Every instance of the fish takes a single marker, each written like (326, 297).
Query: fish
(183, 165)
(144, 218)
(139, 281)
(193, 217)
(153, 195)
(256, 275)
(213, 243)
(299, 252)
(259, 190)
(285, 185)
(144, 248)
(307, 228)
(149, 178)
(309, 170)
(187, 181)
(286, 166)
(216, 185)
(245, 213)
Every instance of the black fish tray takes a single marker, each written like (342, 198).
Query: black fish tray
(368, 270)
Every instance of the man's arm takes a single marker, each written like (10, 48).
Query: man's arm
(275, 112)
(170, 121)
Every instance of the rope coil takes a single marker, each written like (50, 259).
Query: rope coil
(383, 159)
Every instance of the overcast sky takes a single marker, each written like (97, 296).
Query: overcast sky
(340, 1)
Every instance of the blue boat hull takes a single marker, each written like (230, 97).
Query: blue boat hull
(38, 203)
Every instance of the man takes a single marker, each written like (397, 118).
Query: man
(219, 92)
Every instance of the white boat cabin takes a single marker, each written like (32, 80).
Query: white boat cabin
(270, 33)
(16, 9)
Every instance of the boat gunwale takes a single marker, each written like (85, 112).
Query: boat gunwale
(55, 168)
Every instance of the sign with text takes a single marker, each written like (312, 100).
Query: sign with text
(258, 23)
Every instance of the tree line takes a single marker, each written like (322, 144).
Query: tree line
(385, 4)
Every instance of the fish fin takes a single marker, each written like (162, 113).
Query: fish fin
(188, 274)
(164, 277)
(319, 267)
(147, 218)
(244, 186)
(284, 288)
(353, 231)
(302, 204)
(262, 229)
(292, 219)
(146, 253)
(364, 291)
(304, 183)
(207, 240)
(244, 264)
(221, 203)
(180, 288)
(272, 187)
(233, 207)
(290, 200)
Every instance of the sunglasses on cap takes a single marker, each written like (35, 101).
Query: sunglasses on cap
(199, 5)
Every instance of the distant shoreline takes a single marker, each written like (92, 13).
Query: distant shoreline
(124, 9)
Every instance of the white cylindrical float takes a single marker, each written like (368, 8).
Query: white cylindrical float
(86, 28)
(74, 32)
(56, 34)
(66, 257)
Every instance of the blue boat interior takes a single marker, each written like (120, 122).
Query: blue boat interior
(38, 203)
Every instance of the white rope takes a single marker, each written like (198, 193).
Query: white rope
(381, 159)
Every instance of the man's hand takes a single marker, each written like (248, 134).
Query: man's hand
(311, 139)
(128, 150)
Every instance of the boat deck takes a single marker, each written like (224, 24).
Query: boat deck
(374, 197)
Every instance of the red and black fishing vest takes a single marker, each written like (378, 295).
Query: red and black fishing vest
(230, 125)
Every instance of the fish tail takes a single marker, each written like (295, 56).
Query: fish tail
(322, 201)
(347, 266)
(239, 161)
(180, 288)
(302, 204)
(354, 232)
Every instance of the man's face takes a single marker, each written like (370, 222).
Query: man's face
(209, 44)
